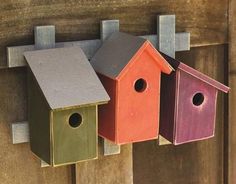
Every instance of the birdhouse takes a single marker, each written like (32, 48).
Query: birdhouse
(188, 104)
(64, 92)
(130, 70)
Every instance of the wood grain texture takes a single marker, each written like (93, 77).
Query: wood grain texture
(231, 136)
(18, 164)
(74, 20)
(194, 163)
(113, 169)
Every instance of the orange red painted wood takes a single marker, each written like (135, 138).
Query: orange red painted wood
(130, 70)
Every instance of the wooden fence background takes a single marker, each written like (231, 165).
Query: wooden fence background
(212, 27)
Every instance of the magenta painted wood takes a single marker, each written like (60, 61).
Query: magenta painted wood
(188, 104)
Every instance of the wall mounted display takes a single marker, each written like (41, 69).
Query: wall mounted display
(188, 104)
(130, 70)
(64, 92)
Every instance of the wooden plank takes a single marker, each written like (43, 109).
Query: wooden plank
(207, 21)
(199, 162)
(230, 167)
(113, 169)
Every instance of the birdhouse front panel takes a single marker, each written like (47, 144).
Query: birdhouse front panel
(74, 135)
(196, 104)
(138, 101)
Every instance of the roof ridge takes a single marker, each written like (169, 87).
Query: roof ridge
(203, 77)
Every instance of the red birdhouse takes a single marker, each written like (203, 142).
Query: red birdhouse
(188, 104)
(130, 70)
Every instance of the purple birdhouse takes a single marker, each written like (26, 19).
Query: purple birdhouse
(190, 112)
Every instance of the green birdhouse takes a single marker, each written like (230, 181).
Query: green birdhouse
(64, 92)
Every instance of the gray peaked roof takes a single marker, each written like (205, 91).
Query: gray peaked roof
(66, 77)
(115, 53)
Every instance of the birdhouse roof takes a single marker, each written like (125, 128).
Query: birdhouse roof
(181, 66)
(66, 77)
(116, 52)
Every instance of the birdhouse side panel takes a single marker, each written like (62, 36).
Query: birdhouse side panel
(106, 112)
(74, 135)
(39, 120)
(167, 110)
(196, 109)
(138, 101)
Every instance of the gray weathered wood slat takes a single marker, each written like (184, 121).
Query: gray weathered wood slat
(15, 56)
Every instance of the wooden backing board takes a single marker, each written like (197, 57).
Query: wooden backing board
(207, 21)
(230, 151)
(113, 169)
(199, 162)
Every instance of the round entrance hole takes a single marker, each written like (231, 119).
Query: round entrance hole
(198, 99)
(140, 85)
(75, 120)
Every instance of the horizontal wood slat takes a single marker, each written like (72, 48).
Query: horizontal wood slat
(76, 20)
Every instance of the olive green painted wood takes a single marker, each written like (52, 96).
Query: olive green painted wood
(52, 139)
(64, 92)
(39, 120)
(70, 144)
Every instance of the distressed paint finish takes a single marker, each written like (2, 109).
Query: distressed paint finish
(124, 59)
(193, 122)
(193, 105)
(198, 162)
(75, 144)
(61, 83)
(20, 132)
(207, 21)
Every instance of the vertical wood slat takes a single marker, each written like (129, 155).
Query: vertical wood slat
(113, 169)
(231, 136)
